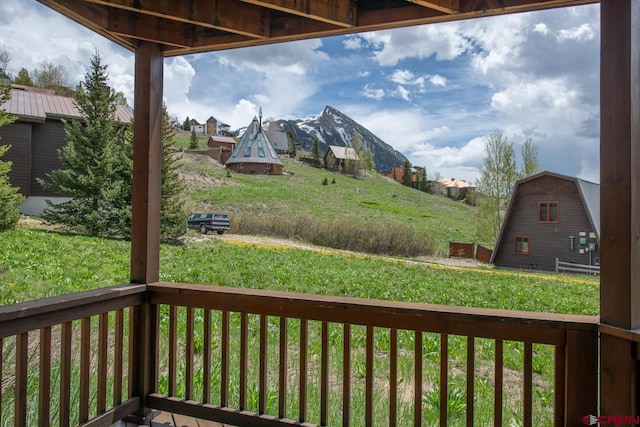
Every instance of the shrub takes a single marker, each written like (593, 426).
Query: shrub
(325, 181)
(392, 239)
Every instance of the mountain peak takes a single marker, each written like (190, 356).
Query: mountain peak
(332, 127)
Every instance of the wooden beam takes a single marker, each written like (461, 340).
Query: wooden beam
(232, 16)
(619, 201)
(446, 6)
(147, 164)
(342, 13)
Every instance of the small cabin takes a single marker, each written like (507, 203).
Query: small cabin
(550, 216)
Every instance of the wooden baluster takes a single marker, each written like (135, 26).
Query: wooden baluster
(393, 377)
(304, 342)
(188, 387)
(444, 377)
(369, 377)
(44, 394)
(559, 385)
(262, 388)
(1, 370)
(173, 349)
(471, 359)
(282, 381)
(65, 373)
(528, 385)
(324, 375)
(346, 375)
(206, 358)
(118, 342)
(497, 399)
(224, 356)
(417, 387)
(103, 343)
(22, 358)
(85, 367)
(244, 348)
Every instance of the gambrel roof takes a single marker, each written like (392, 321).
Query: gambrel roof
(589, 194)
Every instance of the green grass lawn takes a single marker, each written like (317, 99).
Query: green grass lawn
(36, 263)
(299, 191)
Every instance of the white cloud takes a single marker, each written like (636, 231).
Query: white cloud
(352, 43)
(402, 92)
(372, 93)
(541, 28)
(581, 33)
(403, 77)
(545, 95)
(438, 80)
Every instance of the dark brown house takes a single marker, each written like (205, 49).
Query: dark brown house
(550, 216)
(221, 147)
(35, 138)
(336, 158)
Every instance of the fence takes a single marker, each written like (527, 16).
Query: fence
(576, 268)
(469, 250)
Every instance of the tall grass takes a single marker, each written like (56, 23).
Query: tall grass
(390, 239)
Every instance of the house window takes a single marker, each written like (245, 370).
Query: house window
(240, 166)
(522, 245)
(548, 212)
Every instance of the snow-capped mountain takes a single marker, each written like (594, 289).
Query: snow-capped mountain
(331, 127)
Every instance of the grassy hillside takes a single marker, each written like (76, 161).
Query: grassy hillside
(299, 191)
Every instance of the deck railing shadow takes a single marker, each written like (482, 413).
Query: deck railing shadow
(248, 357)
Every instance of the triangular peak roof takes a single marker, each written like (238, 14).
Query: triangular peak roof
(254, 147)
(589, 194)
(344, 153)
(212, 119)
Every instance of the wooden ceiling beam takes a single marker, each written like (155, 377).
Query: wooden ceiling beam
(233, 16)
(445, 6)
(90, 16)
(342, 13)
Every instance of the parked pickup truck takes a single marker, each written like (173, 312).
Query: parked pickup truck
(205, 221)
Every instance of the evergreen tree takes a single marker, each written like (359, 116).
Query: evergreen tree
(10, 197)
(23, 78)
(498, 176)
(193, 144)
(406, 174)
(172, 217)
(423, 185)
(292, 144)
(186, 125)
(94, 160)
(315, 151)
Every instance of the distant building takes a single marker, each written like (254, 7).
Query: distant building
(278, 139)
(35, 139)
(217, 127)
(221, 147)
(456, 189)
(254, 154)
(550, 216)
(336, 158)
(197, 127)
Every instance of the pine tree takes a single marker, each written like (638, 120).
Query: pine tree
(193, 144)
(10, 197)
(94, 159)
(406, 174)
(315, 151)
(292, 144)
(23, 78)
(172, 217)
(186, 125)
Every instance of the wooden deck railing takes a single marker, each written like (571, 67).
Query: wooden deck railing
(247, 357)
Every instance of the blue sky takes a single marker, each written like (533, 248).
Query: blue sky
(432, 92)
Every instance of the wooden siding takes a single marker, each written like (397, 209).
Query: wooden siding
(256, 168)
(546, 240)
(47, 139)
(18, 135)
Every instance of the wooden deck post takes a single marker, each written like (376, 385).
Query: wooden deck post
(145, 224)
(619, 203)
(147, 164)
